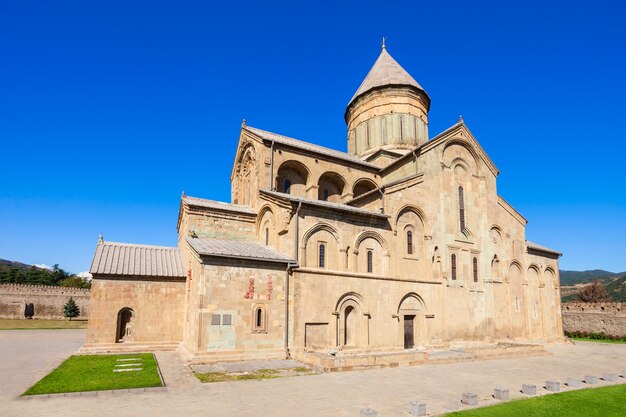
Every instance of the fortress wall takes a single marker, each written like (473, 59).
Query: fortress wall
(609, 318)
(47, 300)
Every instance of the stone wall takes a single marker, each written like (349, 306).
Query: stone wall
(609, 318)
(47, 301)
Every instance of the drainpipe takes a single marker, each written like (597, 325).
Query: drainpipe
(272, 167)
(289, 267)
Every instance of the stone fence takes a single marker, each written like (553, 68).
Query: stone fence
(40, 301)
(609, 318)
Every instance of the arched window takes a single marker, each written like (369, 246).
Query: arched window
(267, 236)
(409, 242)
(475, 267)
(287, 187)
(322, 256)
(453, 266)
(259, 320)
(461, 209)
(370, 261)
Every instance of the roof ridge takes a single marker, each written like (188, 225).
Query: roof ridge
(141, 245)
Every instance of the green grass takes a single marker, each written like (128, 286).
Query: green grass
(259, 374)
(95, 372)
(588, 339)
(25, 324)
(597, 402)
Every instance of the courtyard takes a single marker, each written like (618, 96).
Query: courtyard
(30, 355)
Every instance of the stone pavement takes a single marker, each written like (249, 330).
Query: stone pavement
(388, 391)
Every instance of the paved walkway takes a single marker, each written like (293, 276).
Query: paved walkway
(338, 394)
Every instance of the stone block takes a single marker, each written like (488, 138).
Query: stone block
(501, 394)
(553, 386)
(529, 389)
(609, 377)
(573, 383)
(417, 408)
(624, 374)
(368, 412)
(590, 379)
(469, 399)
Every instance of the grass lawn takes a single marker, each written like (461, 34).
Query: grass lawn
(259, 374)
(95, 372)
(25, 324)
(594, 402)
(586, 339)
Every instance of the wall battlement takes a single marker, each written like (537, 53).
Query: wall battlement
(606, 317)
(47, 301)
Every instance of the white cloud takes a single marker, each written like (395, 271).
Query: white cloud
(44, 266)
(85, 274)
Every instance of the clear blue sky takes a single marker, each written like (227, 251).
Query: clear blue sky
(109, 110)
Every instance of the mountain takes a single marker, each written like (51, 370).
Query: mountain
(574, 277)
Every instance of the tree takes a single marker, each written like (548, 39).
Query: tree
(593, 293)
(70, 309)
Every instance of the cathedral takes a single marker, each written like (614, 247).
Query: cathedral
(400, 245)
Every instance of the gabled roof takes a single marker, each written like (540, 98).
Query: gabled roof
(309, 147)
(124, 259)
(386, 71)
(237, 250)
(539, 248)
(216, 205)
(325, 204)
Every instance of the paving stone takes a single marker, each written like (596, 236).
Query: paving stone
(574, 383)
(469, 398)
(129, 359)
(529, 389)
(368, 412)
(122, 365)
(553, 386)
(590, 379)
(128, 370)
(417, 408)
(609, 377)
(501, 394)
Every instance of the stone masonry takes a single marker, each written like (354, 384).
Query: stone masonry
(47, 301)
(609, 318)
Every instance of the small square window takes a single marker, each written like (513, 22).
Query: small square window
(215, 319)
(227, 319)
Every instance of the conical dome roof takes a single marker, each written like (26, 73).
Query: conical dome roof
(386, 71)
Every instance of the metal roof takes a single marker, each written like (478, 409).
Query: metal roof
(386, 71)
(285, 140)
(217, 205)
(536, 246)
(326, 204)
(124, 259)
(236, 249)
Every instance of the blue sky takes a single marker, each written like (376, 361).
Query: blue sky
(96, 99)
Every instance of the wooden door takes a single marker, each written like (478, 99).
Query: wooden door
(409, 340)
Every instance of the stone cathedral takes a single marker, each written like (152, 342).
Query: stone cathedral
(398, 246)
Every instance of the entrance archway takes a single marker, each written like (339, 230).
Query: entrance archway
(124, 325)
(412, 324)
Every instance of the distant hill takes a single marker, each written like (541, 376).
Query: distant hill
(12, 272)
(574, 277)
(573, 281)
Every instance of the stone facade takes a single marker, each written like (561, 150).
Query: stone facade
(401, 243)
(608, 318)
(47, 301)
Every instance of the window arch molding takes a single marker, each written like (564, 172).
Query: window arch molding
(420, 214)
(309, 235)
(259, 318)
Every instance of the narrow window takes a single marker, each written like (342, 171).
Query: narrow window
(322, 256)
(267, 236)
(287, 187)
(454, 267)
(367, 133)
(401, 130)
(461, 209)
(259, 317)
(475, 265)
(409, 242)
(383, 135)
(370, 261)
(259, 320)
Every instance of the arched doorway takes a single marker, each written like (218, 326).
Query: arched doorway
(29, 310)
(350, 326)
(124, 325)
(411, 317)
